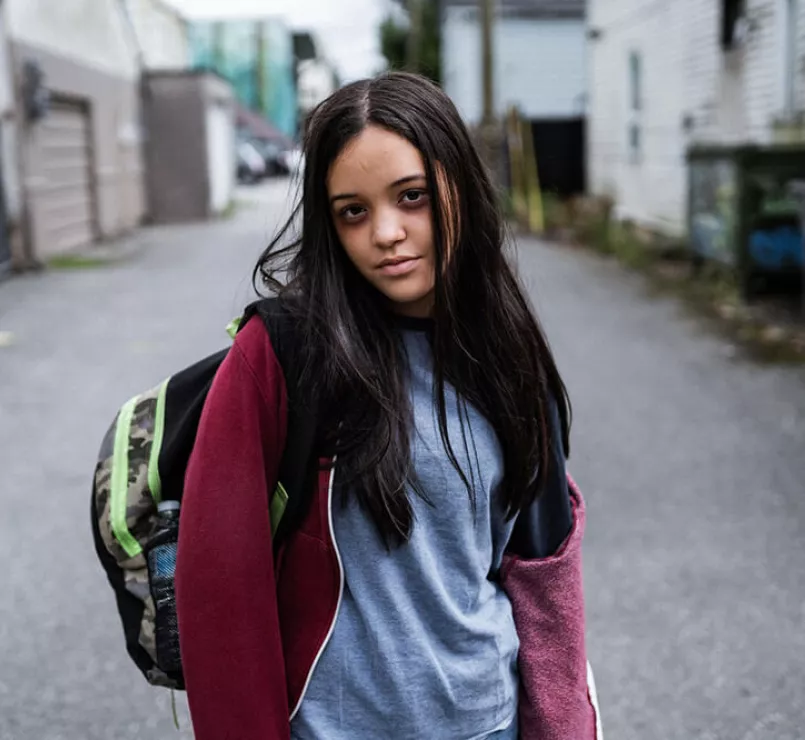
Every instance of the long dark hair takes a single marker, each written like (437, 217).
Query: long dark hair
(486, 340)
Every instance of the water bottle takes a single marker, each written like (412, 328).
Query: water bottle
(161, 558)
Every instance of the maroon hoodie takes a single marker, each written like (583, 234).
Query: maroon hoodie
(253, 627)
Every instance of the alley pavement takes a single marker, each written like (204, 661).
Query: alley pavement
(692, 459)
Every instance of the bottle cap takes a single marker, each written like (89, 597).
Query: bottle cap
(165, 506)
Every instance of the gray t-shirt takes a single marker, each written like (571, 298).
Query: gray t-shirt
(424, 644)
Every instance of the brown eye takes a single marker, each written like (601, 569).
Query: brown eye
(351, 213)
(414, 197)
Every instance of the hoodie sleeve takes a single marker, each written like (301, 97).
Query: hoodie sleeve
(226, 592)
(557, 696)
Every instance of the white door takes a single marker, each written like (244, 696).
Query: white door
(221, 157)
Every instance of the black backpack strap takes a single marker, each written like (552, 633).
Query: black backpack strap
(184, 403)
(299, 465)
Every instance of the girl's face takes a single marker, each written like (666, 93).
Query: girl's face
(382, 213)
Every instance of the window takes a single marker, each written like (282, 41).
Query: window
(634, 138)
(732, 11)
(635, 82)
(635, 133)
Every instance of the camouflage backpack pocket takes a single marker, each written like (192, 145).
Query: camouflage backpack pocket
(127, 490)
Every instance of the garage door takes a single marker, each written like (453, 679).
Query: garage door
(65, 209)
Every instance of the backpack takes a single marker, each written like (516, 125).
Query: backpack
(142, 461)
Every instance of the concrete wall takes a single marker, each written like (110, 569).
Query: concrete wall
(116, 137)
(89, 32)
(162, 34)
(539, 65)
(693, 92)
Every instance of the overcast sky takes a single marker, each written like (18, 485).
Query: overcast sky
(348, 29)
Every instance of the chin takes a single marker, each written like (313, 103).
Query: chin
(419, 302)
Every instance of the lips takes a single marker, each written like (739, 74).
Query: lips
(398, 265)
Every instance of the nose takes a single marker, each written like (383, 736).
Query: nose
(388, 230)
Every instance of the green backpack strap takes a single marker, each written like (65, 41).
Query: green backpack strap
(233, 327)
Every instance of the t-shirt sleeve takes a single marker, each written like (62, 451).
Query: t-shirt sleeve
(543, 527)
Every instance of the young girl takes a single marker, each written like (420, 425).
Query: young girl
(433, 587)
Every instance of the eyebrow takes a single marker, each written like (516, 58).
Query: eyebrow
(395, 184)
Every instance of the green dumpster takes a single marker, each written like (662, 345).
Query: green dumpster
(745, 211)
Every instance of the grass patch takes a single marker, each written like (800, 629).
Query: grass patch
(507, 204)
(231, 209)
(716, 295)
(75, 262)
(557, 213)
(238, 204)
(713, 293)
(708, 291)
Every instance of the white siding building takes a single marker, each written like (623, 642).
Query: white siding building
(540, 54)
(315, 81)
(666, 75)
(162, 34)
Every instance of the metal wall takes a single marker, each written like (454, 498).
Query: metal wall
(190, 145)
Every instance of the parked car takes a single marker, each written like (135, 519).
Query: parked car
(251, 165)
(273, 155)
(294, 160)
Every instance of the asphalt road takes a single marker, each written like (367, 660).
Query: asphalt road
(692, 459)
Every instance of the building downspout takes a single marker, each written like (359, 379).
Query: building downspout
(132, 30)
(8, 233)
(5, 231)
(23, 257)
(144, 94)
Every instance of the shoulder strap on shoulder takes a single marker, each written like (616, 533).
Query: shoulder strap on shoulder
(298, 467)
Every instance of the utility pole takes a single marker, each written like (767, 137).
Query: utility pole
(412, 52)
(490, 134)
(487, 60)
